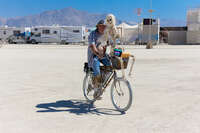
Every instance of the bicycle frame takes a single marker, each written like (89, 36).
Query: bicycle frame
(105, 84)
(113, 75)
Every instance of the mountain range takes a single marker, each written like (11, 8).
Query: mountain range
(69, 17)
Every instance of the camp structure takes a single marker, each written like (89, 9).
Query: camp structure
(193, 24)
(129, 34)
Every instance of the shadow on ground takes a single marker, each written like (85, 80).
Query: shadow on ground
(78, 107)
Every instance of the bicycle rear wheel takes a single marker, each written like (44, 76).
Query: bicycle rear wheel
(88, 89)
(121, 94)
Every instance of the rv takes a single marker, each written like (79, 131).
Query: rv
(12, 34)
(57, 34)
(45, 34)
(5, 32)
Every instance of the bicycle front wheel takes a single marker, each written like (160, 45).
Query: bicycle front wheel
(121, 94)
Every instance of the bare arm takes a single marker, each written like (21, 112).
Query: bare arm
(104, 49)
(94, 49)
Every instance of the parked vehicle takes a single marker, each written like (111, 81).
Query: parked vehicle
(12, 34)
(13, 39)
(57, 34)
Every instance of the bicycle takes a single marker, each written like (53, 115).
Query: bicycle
(116, 88)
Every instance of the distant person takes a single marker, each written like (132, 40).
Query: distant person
(97, 55)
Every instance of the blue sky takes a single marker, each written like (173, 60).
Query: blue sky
(122, 9)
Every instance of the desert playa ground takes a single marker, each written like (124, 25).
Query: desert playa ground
(41, 91)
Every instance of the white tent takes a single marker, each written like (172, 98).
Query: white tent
(129, 33)
(125, 25)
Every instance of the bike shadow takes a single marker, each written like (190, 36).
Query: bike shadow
(78, 107)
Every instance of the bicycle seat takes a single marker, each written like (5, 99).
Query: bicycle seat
(87, 68)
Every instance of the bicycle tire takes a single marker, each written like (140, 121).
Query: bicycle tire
(85, 88)
(130, 97)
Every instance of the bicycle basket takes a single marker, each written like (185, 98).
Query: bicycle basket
(116, 64)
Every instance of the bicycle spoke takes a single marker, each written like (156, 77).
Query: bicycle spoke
(88, 88)
(121, 89)
(121, 95)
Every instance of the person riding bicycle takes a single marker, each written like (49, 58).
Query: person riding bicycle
(97, 55)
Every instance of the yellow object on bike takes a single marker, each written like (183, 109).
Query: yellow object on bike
(125, 55)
